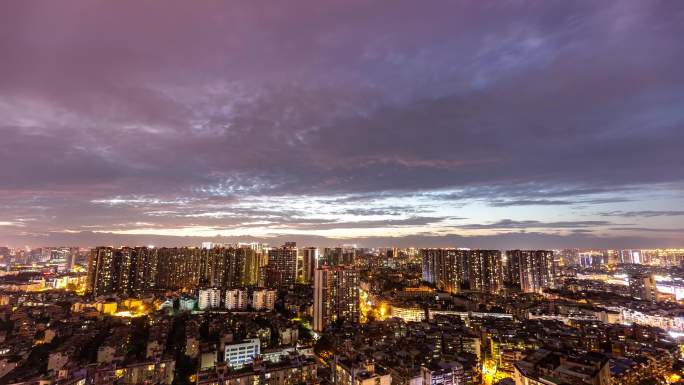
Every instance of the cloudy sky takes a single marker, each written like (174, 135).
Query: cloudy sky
(454, 123)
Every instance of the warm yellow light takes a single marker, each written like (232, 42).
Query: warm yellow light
(382, 311)
(672, 378)
(489, 371)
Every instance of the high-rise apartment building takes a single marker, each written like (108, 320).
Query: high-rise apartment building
(178, 268)
(643, 287)
(124, 270)
(253, 261)
(485, 270)
(282, 266)
(429, 259)
(102, 271)
(530, 270)
(310, 257)
(222, 267)
(132, 271)
(446, 268)
(450, 269)
(339, 256)
(336, 295)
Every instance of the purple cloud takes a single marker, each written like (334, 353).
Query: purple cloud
(138, 115)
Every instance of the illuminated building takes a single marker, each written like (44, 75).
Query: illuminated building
(209, 299)
(530, 270)
(485, 270)
(339, 255)
(126, 271)
(243, 353)
(236, 299)
(222, 267)
(336, 295)
(310, 256)
(346, 372)
(408, 314)
(133, 271)
(187, 303)
(151, 372)
(253, 261)
(102, 271)
(282, 266)
(291, 370)
(177, 268)
(108, 307)
(536, 368)
(429, 259)
(449, 269)
(443, 373)
(643, 287)
(446, 268)
(263, 299)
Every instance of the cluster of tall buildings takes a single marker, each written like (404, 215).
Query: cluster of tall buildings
(134, 270)
(218, 271)
(488, 271)
(597, 257)
(58, 259)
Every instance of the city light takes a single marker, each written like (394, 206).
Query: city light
(382, 192)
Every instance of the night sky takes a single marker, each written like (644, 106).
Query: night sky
(442, 123)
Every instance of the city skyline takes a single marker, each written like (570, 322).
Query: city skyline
(470, 124)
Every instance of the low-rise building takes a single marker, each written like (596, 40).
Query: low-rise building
(544, 367)
(243, 353)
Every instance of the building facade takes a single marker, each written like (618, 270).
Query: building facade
(530, 270)
(336, 295)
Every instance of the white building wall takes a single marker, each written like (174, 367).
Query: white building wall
(209, 299)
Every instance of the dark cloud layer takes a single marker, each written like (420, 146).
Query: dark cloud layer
(645, 213)
(128, 114)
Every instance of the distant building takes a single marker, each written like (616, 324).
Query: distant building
(643, 287)
(530, 270)
(450, 269)
(446, 268)
(133, 271)
(222, 267)
(485, 271)
(335, 256)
